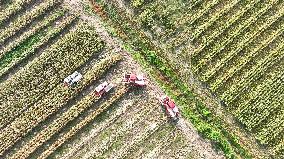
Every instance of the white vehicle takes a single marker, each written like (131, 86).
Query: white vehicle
(72, 79)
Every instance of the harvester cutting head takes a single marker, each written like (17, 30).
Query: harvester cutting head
(72, 79)
(103, 88)
(170, 107)
(133, 79)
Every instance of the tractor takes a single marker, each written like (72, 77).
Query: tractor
(170, 107)
(72, 79)
(103, 88)
(135, 80)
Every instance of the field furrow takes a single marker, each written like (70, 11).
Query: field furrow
(24, 20)
(237, 36)
(230, 72)
(226, 24)
(187, 26)
(199, 26)
(11, 9)
(12, 58)
(246, 40)
(41, 25)
(274, 57)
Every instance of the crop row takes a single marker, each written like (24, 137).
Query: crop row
(251, 55)
(242, 26)
(267, 87)
(62, 120)
(12, 9)
(24, 20)
(190, 17)
(257, 70)
(13, 58)
(245, 41)
(42, 24)
(223, 26)
(196, 34)
(198, 29)
(279, 148)
(274, 126)
(59, 93)
(186, 22)
(258, 112)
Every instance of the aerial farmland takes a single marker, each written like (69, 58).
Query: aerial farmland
(141, 79)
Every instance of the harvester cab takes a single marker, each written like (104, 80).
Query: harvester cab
(103, 88)
(133, 79)
(170, 107)
(72, 79)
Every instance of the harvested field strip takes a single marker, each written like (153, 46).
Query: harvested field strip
(58, 124)
(155, 140)
(124, 143)
(99, 126)
(135, 109)
(106, 145)
(12, 9)
(213, 34)
(30, 46)
(41, 25)
(53, 101)
(42, 68)
(263, 65)
(157, 151)
(22, 21)
(107, 137)
(229, 72)
(170, 148)
(83, 123)
(243, 42)
(237, 35)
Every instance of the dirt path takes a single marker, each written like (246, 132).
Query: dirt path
(199, 145)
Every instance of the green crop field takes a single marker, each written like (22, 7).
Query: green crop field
(233, 48)
(221, 61)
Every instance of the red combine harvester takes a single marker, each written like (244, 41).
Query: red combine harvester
(103, 88)
(133, 79)
(170, 107)
(72, 79)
